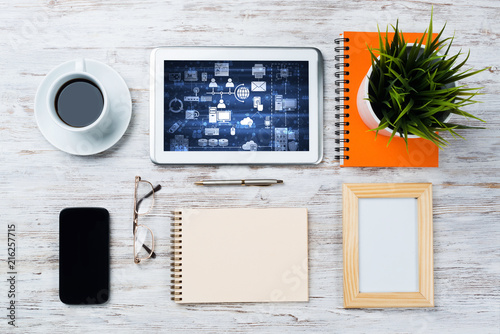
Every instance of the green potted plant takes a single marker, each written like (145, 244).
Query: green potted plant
(411, 89)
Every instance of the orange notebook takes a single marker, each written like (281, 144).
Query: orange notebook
(358, 146)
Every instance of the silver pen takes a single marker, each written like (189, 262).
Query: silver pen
(250, 182)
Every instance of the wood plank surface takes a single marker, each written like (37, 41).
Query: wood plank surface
(37, 180)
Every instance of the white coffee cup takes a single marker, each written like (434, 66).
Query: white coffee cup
(79, 73)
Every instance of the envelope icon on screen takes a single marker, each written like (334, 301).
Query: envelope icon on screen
(258, 86)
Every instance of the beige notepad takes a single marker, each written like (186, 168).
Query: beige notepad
(240, 255)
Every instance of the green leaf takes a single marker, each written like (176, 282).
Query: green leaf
(408, 87)
(405, 110)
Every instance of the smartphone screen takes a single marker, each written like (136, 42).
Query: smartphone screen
(84, 256)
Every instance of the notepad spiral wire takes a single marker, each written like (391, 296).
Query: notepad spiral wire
(176, 269)
(341, 114)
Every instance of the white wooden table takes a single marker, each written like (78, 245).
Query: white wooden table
(37, 180)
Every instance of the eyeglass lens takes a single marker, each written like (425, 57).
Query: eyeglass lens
(145, 197)
(143, 236)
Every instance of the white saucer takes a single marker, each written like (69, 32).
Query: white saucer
(98, 140)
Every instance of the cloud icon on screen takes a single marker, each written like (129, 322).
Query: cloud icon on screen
(249, 146)
(246, 121)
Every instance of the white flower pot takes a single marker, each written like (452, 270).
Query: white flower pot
(368, 115)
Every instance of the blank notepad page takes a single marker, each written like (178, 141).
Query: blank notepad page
(244, 255)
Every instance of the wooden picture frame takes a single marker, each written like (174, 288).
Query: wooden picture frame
(353, 298)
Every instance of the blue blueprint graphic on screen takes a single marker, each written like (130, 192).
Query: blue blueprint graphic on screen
(236, 106)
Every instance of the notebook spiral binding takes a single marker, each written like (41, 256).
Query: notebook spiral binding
(341, 114)
(176, 268)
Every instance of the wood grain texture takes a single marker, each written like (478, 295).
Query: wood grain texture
(351, 193)
(37, 180)
(426, 246)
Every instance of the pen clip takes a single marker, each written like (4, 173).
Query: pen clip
(254, 185)
(260, 182)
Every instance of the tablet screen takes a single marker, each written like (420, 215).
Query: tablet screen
(236, 106)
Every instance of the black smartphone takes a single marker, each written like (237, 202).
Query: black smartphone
(84, 256)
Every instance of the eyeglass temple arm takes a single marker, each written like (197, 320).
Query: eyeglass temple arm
(153, 254)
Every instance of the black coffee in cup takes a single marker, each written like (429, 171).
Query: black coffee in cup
(79, 103)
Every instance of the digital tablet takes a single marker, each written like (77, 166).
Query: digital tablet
(236, 105)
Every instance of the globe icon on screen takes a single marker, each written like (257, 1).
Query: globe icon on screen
(242, 93)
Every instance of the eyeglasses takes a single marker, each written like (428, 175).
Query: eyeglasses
(144, 199)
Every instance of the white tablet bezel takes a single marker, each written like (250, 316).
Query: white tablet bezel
(312, 55)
